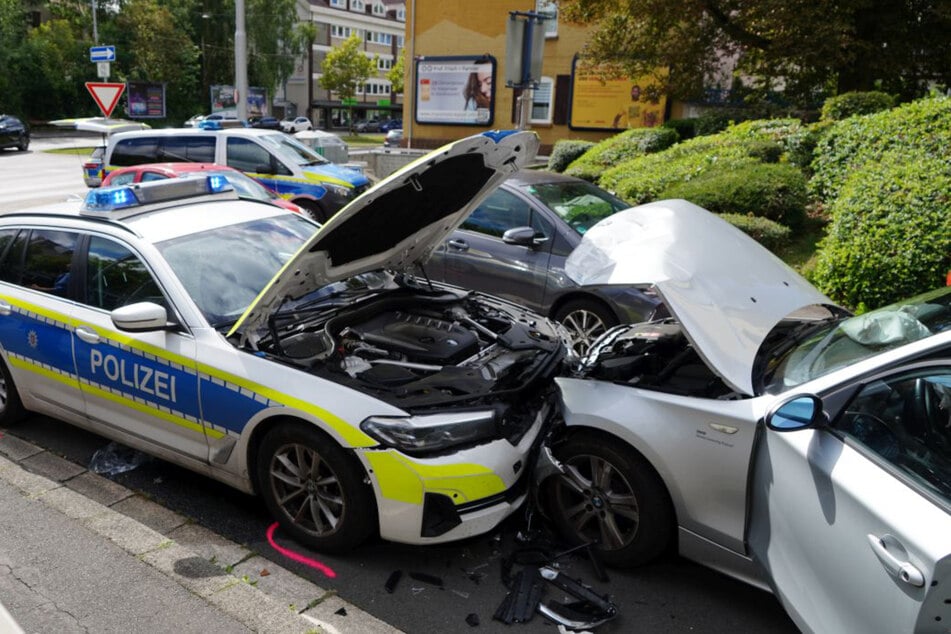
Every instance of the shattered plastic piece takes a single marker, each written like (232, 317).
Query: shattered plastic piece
(341, 612)
(522, 600)
(115, 458)
(427, 578)
(418, 589)
(473, 620)
(393, 579)
(591, 609)
(464, 595)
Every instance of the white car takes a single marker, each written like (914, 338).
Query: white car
(762, 430)
(298, 124)
(311, 367)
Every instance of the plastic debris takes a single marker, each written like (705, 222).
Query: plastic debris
(394, 579)
(473, 620)
(115, 458)
(427, 578)
(341, 612)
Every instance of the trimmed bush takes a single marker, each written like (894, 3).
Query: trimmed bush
(890, 235)
(768, 233)
(645, 178)
(619, 148)
(855, 103)
(685, 128)
(566, 151)
(920, 128)
(772, 191)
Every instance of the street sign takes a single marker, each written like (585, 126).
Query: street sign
(102, 70)
(106, 95)
(102, 53)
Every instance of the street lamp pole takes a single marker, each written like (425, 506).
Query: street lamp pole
(240, 61)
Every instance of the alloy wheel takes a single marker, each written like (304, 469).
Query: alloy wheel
(307, 489)
(598, 502)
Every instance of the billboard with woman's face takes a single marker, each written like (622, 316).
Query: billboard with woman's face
(455, 90)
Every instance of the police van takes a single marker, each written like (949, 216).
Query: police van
(277, 160)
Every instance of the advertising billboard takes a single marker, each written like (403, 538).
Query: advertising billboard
(455, 90)
(145, 100)
(602, 100)
(222, 100)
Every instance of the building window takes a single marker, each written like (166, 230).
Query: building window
(548, 8)
(379, 9)
(339, 4)
(399, 41)
(384, 64)
(401, 14)
(541, 101)
(358, 6)
(340, 31)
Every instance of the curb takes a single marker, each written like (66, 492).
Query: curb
(265, 597)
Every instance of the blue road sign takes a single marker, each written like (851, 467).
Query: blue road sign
(102, 53)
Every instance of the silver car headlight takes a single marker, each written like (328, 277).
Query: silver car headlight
(339, 190)
(432, 432)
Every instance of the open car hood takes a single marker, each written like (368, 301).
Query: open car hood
(101, 125)
(399, 222)
(726, 290)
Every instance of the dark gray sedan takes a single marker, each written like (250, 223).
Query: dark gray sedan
(14, 133)
(515, 243)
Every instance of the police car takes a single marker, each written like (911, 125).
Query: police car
(319, 369)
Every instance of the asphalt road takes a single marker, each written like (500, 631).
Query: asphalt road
(672, 595)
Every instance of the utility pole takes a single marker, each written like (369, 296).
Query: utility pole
(240, 61)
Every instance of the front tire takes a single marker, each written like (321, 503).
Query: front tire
(315, 489)
(314, 210)
(611, 497)
(24, 143)
(11, 407)
(586, 320)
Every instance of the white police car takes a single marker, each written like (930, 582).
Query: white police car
(315, 369)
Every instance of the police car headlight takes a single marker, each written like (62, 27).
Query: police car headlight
(432, 432)
(340, 190)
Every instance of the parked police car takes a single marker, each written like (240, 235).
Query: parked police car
(228, 337)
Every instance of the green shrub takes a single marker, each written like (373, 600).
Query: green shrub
(890, 235)
(619, 148)
(768, 233)
(855, 103)
(772, 191)
(644, 178)
(920, 128)
(685, 128)
(566, 151)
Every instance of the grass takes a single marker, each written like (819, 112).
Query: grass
(79, 151)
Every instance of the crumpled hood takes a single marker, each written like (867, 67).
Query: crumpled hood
(398, 223)
(726, 290)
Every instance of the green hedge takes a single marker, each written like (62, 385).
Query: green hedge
(920, 128)
(645, 178)
(855, 103)
(768, 233)
(566, 151)
(890, 235)
(619, 148)
(775, 192)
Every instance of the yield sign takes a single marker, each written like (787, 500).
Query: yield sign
(106, 95)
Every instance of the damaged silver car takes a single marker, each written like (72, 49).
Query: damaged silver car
(761, 430)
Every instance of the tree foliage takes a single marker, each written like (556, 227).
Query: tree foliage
(397, 75)
(801, 46)
(347, 67)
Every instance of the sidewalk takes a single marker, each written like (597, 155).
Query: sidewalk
(74, 558)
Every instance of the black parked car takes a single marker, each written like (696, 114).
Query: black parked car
(14, 133)
(264, 122)
(515, 243)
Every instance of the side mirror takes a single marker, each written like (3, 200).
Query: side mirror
(799, 412)
(140, 317)
(523, 236)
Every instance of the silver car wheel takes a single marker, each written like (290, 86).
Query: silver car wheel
(599, 503)
(584, 327)
(307, 489)
(4, 394)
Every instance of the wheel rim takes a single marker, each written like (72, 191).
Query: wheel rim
(584, 327)
(307, 490)
(3, 393)
(598, 503)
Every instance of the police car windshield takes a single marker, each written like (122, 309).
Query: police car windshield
(224, 269)
(292, 150)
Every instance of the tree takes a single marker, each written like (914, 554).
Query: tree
(396, 76)
(306, 36)
(345, 69)
(802, 47)
(273, 42)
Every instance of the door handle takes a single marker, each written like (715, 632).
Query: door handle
(462, 245)
(886, 548)
(87, 334)
(5, 309)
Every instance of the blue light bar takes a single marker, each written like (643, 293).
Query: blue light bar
(209, 125)
(218, 183)
(110, 199)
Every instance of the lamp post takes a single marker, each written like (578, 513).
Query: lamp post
(240, 61)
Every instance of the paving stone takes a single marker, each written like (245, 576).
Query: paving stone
(52, 466)
(153, 515)
(209, 545)
(15, 448)
(278, 582)
(98, 488)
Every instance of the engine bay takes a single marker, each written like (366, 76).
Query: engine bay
(655, 356)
